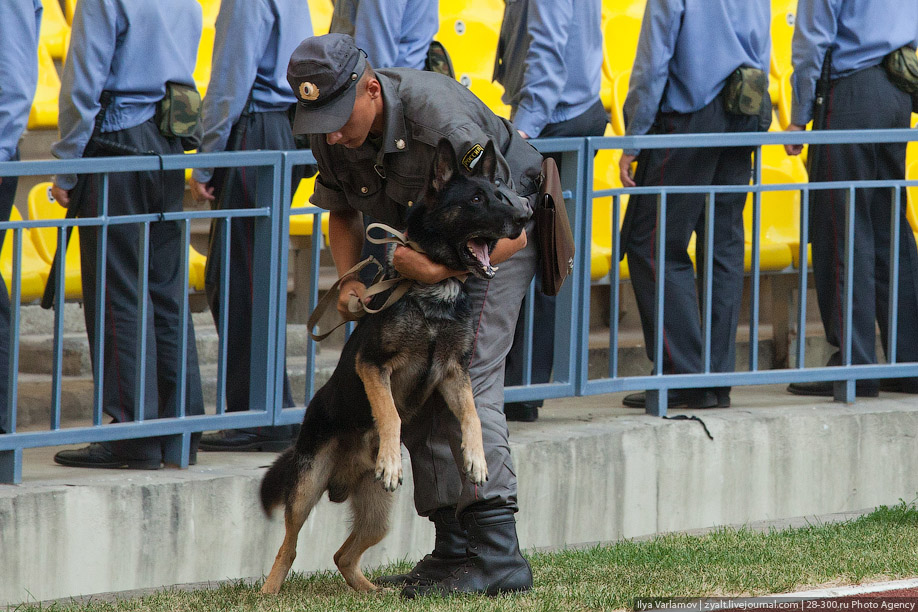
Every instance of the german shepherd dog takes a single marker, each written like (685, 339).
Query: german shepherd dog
(416, 350)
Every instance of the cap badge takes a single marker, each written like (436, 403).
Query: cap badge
(308, 91)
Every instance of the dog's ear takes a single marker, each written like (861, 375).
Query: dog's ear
(445, 165)
(487, 165)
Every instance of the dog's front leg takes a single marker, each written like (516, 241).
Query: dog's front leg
(376, 382)
(456, 389)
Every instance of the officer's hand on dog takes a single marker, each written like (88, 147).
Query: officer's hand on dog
(350, 289)
(624, 167)
(419, 267)
(200, 191)
(794, 149)
(61, 196)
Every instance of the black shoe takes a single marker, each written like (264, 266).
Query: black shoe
(448, 553)
(494, 564)
(685, 398)
(825, 388)
(98, 455)
(889, 385)
(525, 412)
(260, 439)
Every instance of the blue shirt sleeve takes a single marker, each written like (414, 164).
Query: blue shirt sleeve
(19, 29)
(545, 74)
(377, 30)
(243, 29)
(815, 30)
(656, 46)
(89, 59)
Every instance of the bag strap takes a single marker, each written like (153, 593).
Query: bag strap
(357, 308)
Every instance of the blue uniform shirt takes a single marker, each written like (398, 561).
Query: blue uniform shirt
(686, 51)
(860, 32)
(131, 49)
(393, 33)
(549, 60)
(253, 43)
(19, 25)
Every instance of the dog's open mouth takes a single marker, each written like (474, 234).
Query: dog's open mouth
(478, 257)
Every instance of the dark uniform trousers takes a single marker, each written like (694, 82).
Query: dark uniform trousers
(864, 100)
(7, 196)
(236, 188)
(682, 332)
(590, 123)
(140, 193)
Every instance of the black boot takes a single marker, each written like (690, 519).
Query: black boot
(494, 564)
(447, 555)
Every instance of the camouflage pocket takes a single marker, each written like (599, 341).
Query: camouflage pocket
(746, 91)
(179, 115)
(902, 67)
(438, 60)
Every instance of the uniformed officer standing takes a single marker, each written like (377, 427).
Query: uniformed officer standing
(549, 60)
(130, 50)
(374, 136)
(19, 27)
(859, 34)
(393, 33)
(686, 53)
(246, 108)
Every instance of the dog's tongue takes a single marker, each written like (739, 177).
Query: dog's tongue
(480, 249)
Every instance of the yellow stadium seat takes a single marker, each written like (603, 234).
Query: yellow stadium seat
(780, 222)
(301, 224)
(620, 34)
(69, 8)
(605, 176)
(45, 104)
(43, 206)
(54, 32)
(210, 8)
(774, 156)
(320, 12)
(911, 211)
(488, 11)
(34, 269)
(785, 99)
(631, 8)
(782, 31)
(196, 265)
(202, 67)
(472, 45)
(490, 93)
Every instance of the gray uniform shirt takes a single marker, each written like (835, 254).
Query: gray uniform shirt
(419, 109)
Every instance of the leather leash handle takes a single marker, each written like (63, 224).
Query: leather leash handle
(331, 297)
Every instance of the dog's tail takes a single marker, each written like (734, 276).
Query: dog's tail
(278, 481)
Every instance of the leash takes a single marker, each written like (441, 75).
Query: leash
(357, 308)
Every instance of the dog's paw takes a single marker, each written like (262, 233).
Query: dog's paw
(476, 468)
(389, 471)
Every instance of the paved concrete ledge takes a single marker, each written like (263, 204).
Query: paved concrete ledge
(589, 471)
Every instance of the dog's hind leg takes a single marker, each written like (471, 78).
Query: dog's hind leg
(370, 505)
(456, 388)
(312, 479)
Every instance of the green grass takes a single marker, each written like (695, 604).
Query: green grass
(879, 546)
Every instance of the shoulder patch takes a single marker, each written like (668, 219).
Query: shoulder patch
(471, 157)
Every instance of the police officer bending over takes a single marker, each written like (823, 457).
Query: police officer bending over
(374, 135)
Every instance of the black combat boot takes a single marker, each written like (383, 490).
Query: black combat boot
(494, 564)
(447, 555)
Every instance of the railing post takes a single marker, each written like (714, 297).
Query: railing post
(582, 237)
(11, 466)
(845, 390)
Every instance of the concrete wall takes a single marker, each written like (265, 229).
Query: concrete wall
(595, 478)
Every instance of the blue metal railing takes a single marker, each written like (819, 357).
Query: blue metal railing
(657, 385)
(571, 372)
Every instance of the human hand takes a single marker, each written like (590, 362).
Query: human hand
(62, 196)
(349, 289)
(523, 134)
(417, 266)
(794, 149)
(200, 191)
(624, 169)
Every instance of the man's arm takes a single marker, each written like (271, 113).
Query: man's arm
(19, 29)
(656, 47)
(543, 81)
(815, 29)
(377, 30)
(243, 29)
